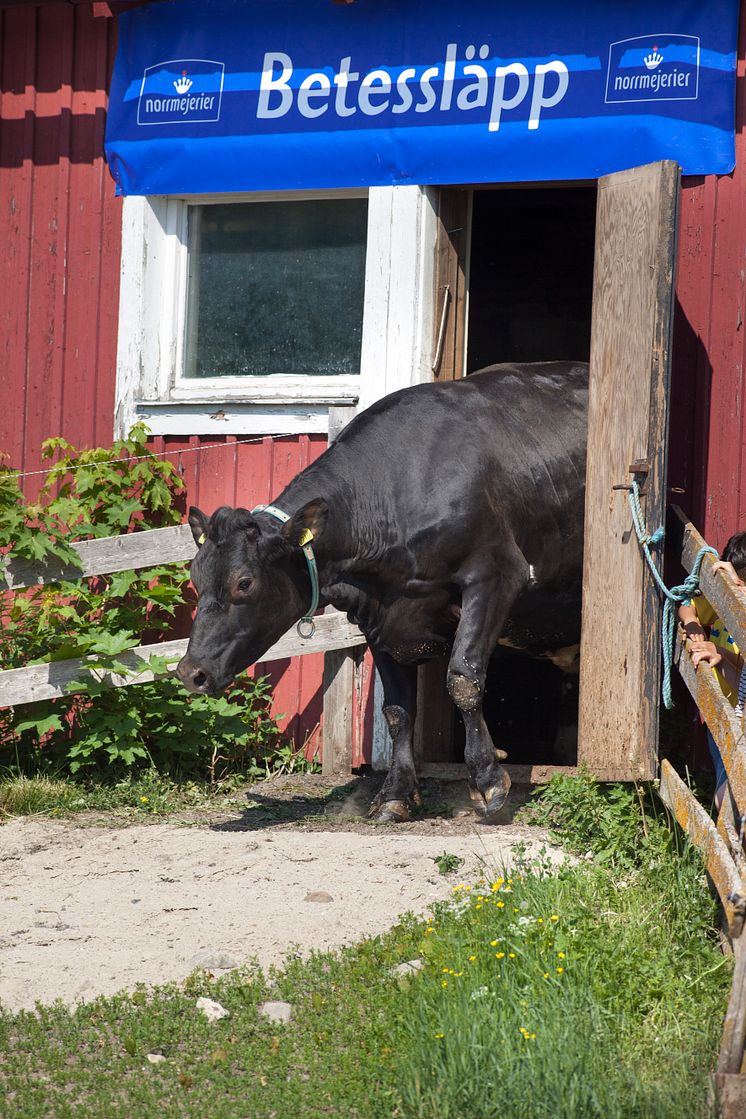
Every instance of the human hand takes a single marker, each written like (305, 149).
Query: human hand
(704, 651)
(728, 569)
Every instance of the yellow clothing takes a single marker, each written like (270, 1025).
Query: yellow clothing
(720, 637)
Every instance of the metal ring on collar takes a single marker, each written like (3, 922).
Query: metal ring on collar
(311, 627)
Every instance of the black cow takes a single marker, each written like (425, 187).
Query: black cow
(446, 517)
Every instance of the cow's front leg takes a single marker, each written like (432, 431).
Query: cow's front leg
(487, 597)
(399, 790)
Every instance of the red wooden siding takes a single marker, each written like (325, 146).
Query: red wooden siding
(707, 415)
(60, 229)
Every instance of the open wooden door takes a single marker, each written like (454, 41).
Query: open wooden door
(627, 424)
(435, 726)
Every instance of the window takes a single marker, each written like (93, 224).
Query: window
(254, 314)
(275, 288)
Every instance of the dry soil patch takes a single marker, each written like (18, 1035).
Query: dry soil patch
(91, 908)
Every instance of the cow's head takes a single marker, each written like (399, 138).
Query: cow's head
(252, 582)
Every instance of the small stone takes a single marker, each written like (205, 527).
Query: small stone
(318, 895)
(276, 1011)
(212, 961)
(155, 1058)
(213, 1011)
(410, 967)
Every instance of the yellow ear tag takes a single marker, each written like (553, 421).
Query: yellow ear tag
(201, 540)
(305, 537)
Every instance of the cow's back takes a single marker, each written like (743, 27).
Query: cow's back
(503, 449)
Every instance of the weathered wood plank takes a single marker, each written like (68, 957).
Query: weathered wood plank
(731, 1095)
(627, 422)
(720, 718)
(723, 595)
(339, 683)
(720, 866)
(101, 557)
(519, 774)
(50, 681)
(731, 1057)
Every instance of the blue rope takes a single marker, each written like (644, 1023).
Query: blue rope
(673, 596)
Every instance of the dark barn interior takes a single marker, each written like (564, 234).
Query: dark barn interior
(530, 291)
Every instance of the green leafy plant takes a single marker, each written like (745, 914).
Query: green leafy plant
(108, 491)
(447, 862)
(610, 822)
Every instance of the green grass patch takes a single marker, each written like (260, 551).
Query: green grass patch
(595, 990)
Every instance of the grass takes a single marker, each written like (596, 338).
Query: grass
(146, 793)
(595, 990)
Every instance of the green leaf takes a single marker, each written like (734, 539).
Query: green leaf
(40, 726)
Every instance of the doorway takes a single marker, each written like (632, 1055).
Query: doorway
(530, 290)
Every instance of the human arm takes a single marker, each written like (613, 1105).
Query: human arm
(690, 622)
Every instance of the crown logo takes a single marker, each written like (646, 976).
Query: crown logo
(184, 84)
(653, 60)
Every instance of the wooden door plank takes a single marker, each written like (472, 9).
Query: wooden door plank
(627, 422)
(434, 727)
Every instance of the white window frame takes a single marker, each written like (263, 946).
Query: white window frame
(397, 335)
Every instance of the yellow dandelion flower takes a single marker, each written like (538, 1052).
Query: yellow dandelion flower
(500, 904)
(499, 955)
(561, 955)
(493, 944)
(428, 931)
(560, 970)
(510, 881)
(472, 959)
(511, 955)
(515, 908)
(554, 917)
(546, 974)
(439, 1036)
(540, 920)
(144, 800)
(533, 1037)
(444, 970)
(444, 982)
(458, 974)
(478, 905)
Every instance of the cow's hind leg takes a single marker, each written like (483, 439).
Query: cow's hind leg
(485, 605)
(400, 790)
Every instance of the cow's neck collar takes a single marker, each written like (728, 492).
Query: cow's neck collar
(306, 626)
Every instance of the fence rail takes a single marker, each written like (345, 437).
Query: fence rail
(335, 637)
(721, 843)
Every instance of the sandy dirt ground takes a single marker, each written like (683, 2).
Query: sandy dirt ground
(90, 907)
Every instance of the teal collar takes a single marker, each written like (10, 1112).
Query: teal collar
(306, 626)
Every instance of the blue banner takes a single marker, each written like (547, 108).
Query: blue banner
(245, 95)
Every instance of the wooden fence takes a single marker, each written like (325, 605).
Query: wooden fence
(335, 637)
(721, 843)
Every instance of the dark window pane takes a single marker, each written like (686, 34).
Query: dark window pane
(276, 287)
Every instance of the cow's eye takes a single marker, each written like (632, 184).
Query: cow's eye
(244, 585)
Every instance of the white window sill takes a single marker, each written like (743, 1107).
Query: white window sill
(237, 417)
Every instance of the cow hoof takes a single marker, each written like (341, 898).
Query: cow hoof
(390, 812)
(489, 803)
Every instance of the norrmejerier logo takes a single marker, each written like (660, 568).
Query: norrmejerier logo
(653, 68)
(181, 91)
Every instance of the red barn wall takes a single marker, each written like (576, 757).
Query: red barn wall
(60, 230)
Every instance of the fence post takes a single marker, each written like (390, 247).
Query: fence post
(339, 669)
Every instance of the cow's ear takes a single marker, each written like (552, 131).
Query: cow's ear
(311, 517)
(198, 522)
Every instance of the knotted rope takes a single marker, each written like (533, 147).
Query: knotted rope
(673, 596)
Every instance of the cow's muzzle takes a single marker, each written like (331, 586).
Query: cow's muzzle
(197, 679)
